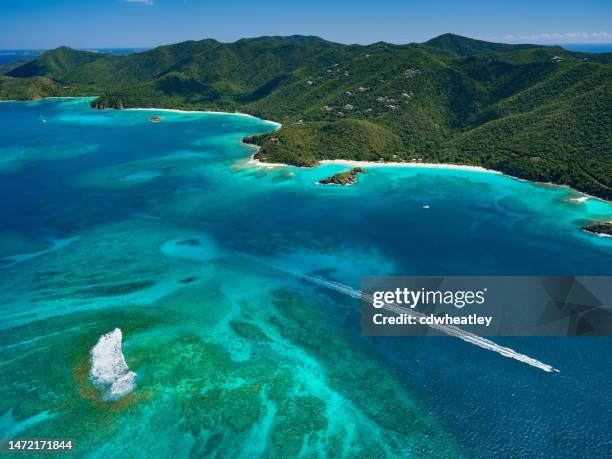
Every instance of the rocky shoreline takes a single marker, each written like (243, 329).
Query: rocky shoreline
(600, 229)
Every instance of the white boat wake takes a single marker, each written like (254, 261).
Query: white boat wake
(447, 329)
(109, 372)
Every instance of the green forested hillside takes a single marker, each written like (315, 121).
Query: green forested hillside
(28, 88)
(536, 112)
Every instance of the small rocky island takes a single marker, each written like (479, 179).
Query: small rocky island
(155, 119)
(343, 178)
(601, 229)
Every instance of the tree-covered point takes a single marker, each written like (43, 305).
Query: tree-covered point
(536, 112)
(602, 228)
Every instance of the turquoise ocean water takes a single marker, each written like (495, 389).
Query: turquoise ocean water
(166, 231)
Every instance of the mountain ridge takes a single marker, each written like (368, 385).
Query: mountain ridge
(536, 112)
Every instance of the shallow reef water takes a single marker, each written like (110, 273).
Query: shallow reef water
(167, 232)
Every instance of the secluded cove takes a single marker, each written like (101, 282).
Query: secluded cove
(581, 198)
(198, 257)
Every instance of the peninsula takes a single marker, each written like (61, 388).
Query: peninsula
(535, 112)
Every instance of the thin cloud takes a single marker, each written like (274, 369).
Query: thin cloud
(602, 35)
(142, 2)
(557, 36)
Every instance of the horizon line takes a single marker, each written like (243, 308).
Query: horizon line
(148, 47)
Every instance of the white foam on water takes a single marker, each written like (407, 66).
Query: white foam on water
(109, 372)
(579, 200)
(447, 329)
(479, 341)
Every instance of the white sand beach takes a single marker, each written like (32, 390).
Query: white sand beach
(354, 163)
(254, 162)
(175, 110)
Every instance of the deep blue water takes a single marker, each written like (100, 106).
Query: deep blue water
(9, 55)
(129, 191)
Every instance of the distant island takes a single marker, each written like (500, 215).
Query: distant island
(536, 112)
(343, 178)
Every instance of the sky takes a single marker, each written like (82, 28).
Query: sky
(146, 23)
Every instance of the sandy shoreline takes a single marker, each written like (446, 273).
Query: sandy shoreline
(254, 162)
(175, 110)
(153, 109)
(594, 233)
(355, 163)
(47, 98)
(581, 199)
